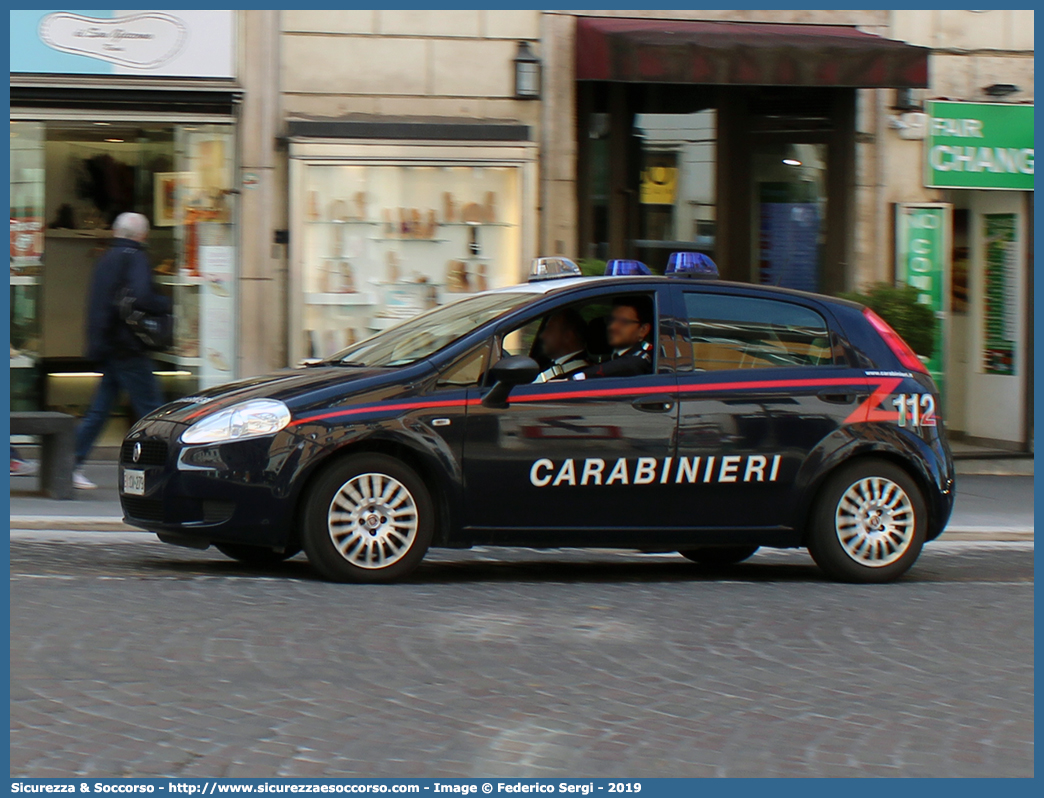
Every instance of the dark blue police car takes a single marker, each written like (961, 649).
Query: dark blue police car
(652, 413)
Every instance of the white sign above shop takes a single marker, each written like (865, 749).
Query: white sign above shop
(194, 43)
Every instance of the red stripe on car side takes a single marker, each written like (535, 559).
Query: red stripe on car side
(870, 409)
(383, 409)
(593, 393)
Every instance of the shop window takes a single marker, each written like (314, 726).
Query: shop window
(71, 180)
(736, 332)
(27, 250)
(383, 242)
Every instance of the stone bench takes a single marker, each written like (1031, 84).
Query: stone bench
(57, 433)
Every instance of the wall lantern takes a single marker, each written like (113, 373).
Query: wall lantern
(527, 73)
(1001, 89)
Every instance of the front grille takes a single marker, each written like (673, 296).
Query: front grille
(153, 453)
(141, 509)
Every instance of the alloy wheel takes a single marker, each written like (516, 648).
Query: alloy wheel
(373, 520)
(875, 522)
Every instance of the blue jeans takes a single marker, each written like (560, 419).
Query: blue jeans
(133, 375)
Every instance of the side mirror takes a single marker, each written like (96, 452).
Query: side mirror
(505, 375)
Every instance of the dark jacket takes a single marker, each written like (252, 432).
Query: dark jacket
(124, 263)
(630, 362)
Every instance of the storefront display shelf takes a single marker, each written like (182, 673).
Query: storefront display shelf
(345, 221)
(347, 298)
(406, 240)
(87, 234)
(24, 279)
(380, 323)
(173, 279)
(477, 224)
(178, 360)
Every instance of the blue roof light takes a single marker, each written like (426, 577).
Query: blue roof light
(621, 268)
(553, 268)
(691, 264)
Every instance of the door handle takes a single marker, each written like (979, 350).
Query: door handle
(653, 404)
(837, 398)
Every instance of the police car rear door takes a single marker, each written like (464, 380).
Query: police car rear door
(576, 462)
(768, 388)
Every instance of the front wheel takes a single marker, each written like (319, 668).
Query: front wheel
(368, 518)
(868, 524)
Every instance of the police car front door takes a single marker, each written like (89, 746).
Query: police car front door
(572, 462)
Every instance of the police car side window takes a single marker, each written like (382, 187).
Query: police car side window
(466, 370)
(740, 332)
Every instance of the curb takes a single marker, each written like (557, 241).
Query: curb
(66, 523)
(993, 468)
(1004, 534)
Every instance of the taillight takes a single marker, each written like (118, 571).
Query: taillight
(899, 347)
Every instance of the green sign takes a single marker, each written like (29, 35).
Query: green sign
(1002, 293)
(979, 145)
(923, 261)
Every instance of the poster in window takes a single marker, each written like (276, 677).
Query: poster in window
(659, 185)
(217, 308)
(168, 198)
(1001, 294)
(790, 235)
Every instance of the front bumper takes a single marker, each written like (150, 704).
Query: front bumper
(238, 492)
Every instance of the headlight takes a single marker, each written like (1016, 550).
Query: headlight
(252, 419)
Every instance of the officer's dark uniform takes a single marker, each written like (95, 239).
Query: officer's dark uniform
(563, 367)
(624, 363)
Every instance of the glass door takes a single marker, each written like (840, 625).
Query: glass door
(789, 193)
(676, 192)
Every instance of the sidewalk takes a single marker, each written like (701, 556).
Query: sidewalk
(989, 506)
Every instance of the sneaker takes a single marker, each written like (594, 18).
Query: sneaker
(81, 482)
(24, 468)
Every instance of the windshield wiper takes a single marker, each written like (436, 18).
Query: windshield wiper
(355, 364)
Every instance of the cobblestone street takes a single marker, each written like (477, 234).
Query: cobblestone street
(131, 658)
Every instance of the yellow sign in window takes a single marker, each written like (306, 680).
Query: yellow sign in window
(659, 185)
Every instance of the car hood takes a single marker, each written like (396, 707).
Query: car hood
(300, 389)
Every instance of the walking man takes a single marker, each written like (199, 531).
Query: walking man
(111, 345)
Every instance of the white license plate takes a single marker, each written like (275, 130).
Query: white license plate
(133, 482)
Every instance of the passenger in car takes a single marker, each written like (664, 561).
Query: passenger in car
(628, 328)
(563, 341)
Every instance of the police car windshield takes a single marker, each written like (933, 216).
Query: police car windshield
(424, 335)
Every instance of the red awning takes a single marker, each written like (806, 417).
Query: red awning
(670, 51)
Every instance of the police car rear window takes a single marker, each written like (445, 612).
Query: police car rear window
(739, 332)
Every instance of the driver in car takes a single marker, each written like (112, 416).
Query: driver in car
(564, 341)
(627, 328)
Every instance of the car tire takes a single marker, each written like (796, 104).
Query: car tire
(255, 555)
(367, 518)
(719, 555)
(868, 523)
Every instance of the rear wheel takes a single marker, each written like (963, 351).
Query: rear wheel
(868, 524)
(255, 555)
(368, 518)
(719, 555)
